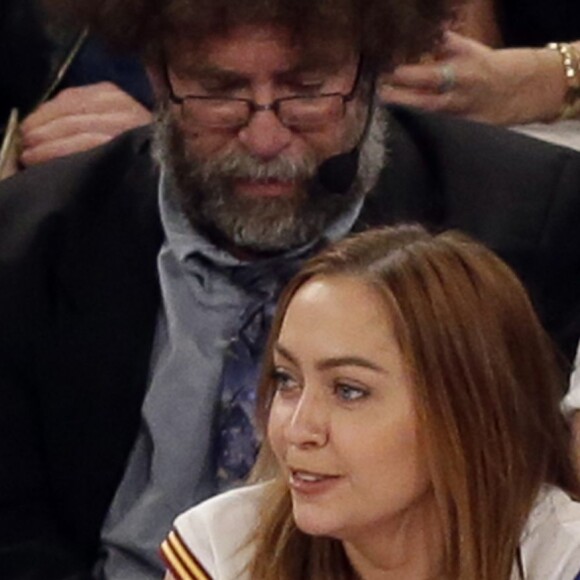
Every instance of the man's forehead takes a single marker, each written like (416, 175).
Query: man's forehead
(241, 45)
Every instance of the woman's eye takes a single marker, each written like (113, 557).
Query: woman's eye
(349, 392)
(283, 381)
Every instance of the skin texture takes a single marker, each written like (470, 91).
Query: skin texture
(77, 119)
(499, 86)
(343, 413)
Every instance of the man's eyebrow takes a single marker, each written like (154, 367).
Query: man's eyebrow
(300, 73)
(334, 362)
(201, 70)
(325, 68)
(209, 71)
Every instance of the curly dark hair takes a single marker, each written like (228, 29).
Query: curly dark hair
(386, 31)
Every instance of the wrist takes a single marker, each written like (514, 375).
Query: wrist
(569, 56)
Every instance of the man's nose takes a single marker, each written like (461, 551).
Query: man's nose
(265, 136)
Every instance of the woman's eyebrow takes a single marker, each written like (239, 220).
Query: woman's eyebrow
(356, 361)
(333, 362)
(278, 348)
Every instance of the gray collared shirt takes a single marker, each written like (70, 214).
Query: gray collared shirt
(204, 291)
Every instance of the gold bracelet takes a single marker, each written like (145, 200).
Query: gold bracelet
(571, 63)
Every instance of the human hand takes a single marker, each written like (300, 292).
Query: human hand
(77, 119)
(469, 79)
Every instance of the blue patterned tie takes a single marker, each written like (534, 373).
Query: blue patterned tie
(237, 442)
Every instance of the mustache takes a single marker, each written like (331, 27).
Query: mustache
(240, 165)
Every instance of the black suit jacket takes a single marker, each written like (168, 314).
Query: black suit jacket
(79, 296)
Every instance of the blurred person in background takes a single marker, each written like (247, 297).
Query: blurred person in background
(67, 90)
(511, 62)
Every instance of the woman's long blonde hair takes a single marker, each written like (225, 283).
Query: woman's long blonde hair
(488, 385)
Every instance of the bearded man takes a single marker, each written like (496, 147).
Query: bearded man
(135, 294)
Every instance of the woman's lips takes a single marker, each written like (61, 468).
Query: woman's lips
(307, 482)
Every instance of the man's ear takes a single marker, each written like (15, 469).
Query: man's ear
(157, 79)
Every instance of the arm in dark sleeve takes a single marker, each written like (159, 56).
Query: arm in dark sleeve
(35, 543)
(78, 306)
(558, 259)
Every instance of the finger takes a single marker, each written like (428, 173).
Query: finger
(53, 109)
(435, 102)
(71, 101)
(111, 125)
(96, 98)
(454, 40)
(456, 44)
(61, 147)
(422, 77)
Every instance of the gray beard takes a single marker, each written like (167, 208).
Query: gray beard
(266, 225)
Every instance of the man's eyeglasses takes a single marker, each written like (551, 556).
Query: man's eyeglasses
(298, 112)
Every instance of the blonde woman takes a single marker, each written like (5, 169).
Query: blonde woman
(410, 401)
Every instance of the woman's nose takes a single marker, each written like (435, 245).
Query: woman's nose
(308, 425)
